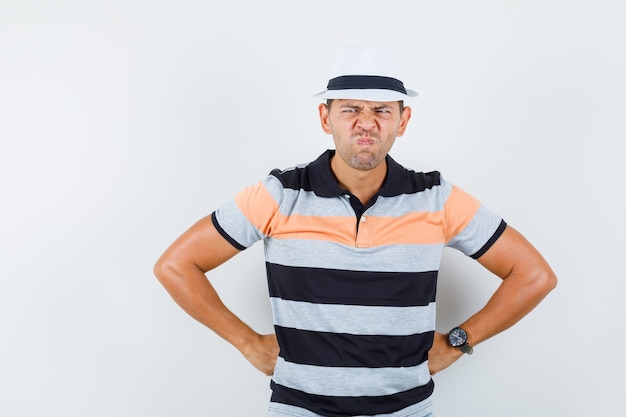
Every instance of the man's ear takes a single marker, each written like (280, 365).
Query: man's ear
(324, 118)
(404, 120)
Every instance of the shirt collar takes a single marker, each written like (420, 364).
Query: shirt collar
(324, 182)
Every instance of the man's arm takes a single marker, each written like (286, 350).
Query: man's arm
(181, 270)
(526, 280)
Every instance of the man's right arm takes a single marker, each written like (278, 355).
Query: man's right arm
(181, 270)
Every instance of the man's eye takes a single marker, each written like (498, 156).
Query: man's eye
(383, 110)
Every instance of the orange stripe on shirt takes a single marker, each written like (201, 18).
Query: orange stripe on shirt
(414, 228)
(259, 207)
(337, 229)
(417, 228)
(459, 209)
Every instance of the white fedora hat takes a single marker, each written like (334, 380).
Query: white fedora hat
(368, 74)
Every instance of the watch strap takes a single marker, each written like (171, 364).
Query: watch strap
(466, 348)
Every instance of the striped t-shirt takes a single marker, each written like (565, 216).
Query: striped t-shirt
(352, 286)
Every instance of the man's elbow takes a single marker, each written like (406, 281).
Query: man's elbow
(546, 280)
(163, 270)
(157, 269)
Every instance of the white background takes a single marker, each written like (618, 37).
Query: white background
(123, 122)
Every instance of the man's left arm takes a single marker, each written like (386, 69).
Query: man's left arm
(526, 280)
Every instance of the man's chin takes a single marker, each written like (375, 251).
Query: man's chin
(364, 162)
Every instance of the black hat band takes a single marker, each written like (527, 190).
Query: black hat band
(360, 82)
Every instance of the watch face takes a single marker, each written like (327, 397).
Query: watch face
(457, 337)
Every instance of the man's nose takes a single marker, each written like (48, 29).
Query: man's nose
(366, 120)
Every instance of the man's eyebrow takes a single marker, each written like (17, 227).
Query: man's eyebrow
(359, 106)
(380, 106)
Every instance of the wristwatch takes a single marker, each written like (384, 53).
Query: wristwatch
(458, 338)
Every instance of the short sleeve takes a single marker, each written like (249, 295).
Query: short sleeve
(250, 215)
(470, 226)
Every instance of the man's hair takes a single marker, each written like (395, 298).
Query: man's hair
(330, 101)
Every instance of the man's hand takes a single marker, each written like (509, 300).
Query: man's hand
(526, 280)
(181, 270)
(442, 355)
(262, 354)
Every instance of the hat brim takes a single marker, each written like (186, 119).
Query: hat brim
(366, 94)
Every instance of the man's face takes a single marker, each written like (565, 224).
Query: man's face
(363, 131)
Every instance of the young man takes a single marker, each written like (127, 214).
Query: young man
(353, 243)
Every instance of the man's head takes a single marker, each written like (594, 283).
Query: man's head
(364, 131)
(364, 109)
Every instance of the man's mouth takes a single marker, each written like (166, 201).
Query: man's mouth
(365, 140)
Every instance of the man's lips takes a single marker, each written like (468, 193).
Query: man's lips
(365, 141)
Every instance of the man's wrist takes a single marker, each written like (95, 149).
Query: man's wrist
(459, 339)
